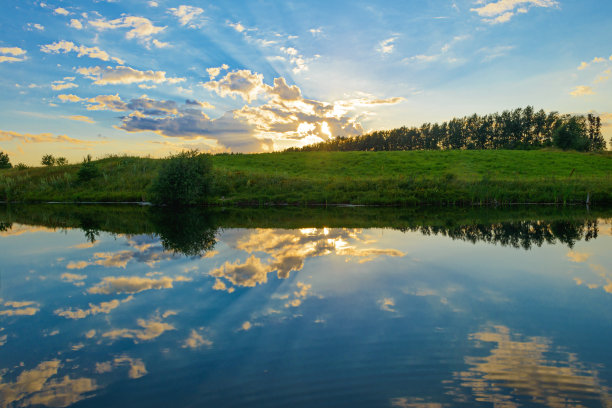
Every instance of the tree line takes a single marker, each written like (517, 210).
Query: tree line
(521, 128)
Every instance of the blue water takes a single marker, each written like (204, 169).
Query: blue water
(306, 317)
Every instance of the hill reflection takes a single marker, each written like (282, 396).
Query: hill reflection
(192, 231)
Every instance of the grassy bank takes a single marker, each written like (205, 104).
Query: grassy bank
(387, 178)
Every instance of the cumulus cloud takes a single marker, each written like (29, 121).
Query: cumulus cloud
(69, 98)
(582, 90)
(215, 71)
(12, 54)
(68, 46)
(125, 75)
(243, 83)
(187, 15)
(501, 11)
(41, 138)
(74, 23)
(106, 102)
(140, 28)
(61, 11)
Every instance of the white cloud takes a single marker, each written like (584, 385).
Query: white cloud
(125, 75)
(215, 71)
(104, 307)
(387, 304)
(16, 54)
(582, 90)
(153, 4)
(36, 26)
(62, 11)
(237, 26)
(60, 85)
(74, 23)
(140, 28)
(64, 47)
(68, 98)
(243, 83)
(386, 46)
(187, 15)
(502, 11)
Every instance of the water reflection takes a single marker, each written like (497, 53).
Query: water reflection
(528, 370)
(289, 307)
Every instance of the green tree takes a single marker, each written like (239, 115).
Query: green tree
(61, 161)
(184, 179)
(48, 160)
(571, 134)
(5, 162)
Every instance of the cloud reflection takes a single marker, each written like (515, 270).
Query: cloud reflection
(287, 251)
(529, 369)
(37, 387)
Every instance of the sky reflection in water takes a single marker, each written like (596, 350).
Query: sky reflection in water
(430, 315)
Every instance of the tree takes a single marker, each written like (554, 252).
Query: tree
(184, 179)
(48, 160)
(5, 163)
(61, 161)
(571, 134)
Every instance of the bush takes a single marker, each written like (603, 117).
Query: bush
(21, 166)
(184, 179)
(5, 163)
(61, 161)
(88, 170)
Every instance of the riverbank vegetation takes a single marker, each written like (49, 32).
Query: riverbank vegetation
(370, 178)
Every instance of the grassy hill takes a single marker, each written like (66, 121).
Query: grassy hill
(385, 178)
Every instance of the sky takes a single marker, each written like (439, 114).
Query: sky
(151, 78)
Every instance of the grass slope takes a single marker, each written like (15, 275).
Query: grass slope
(398, 178)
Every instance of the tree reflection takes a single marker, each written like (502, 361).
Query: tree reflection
(189, 231)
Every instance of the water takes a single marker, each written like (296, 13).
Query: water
(345, 307)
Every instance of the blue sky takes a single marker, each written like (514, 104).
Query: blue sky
(137, 77)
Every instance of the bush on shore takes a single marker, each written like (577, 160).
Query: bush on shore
(184, 179)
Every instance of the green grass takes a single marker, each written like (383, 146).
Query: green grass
(384, 178)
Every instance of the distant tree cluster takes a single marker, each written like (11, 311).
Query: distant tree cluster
(50, 160)
(522, 128)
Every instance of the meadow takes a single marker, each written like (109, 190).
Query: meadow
(360, 178)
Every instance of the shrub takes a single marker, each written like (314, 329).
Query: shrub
(184, 179)
(21, 166)
(88, 170)
(5, 163)
(48, 160)
(61, 161)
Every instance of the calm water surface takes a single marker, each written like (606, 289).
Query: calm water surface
(136, 307)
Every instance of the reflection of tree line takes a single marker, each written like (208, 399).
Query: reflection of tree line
(192, 231)
(519, 234)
